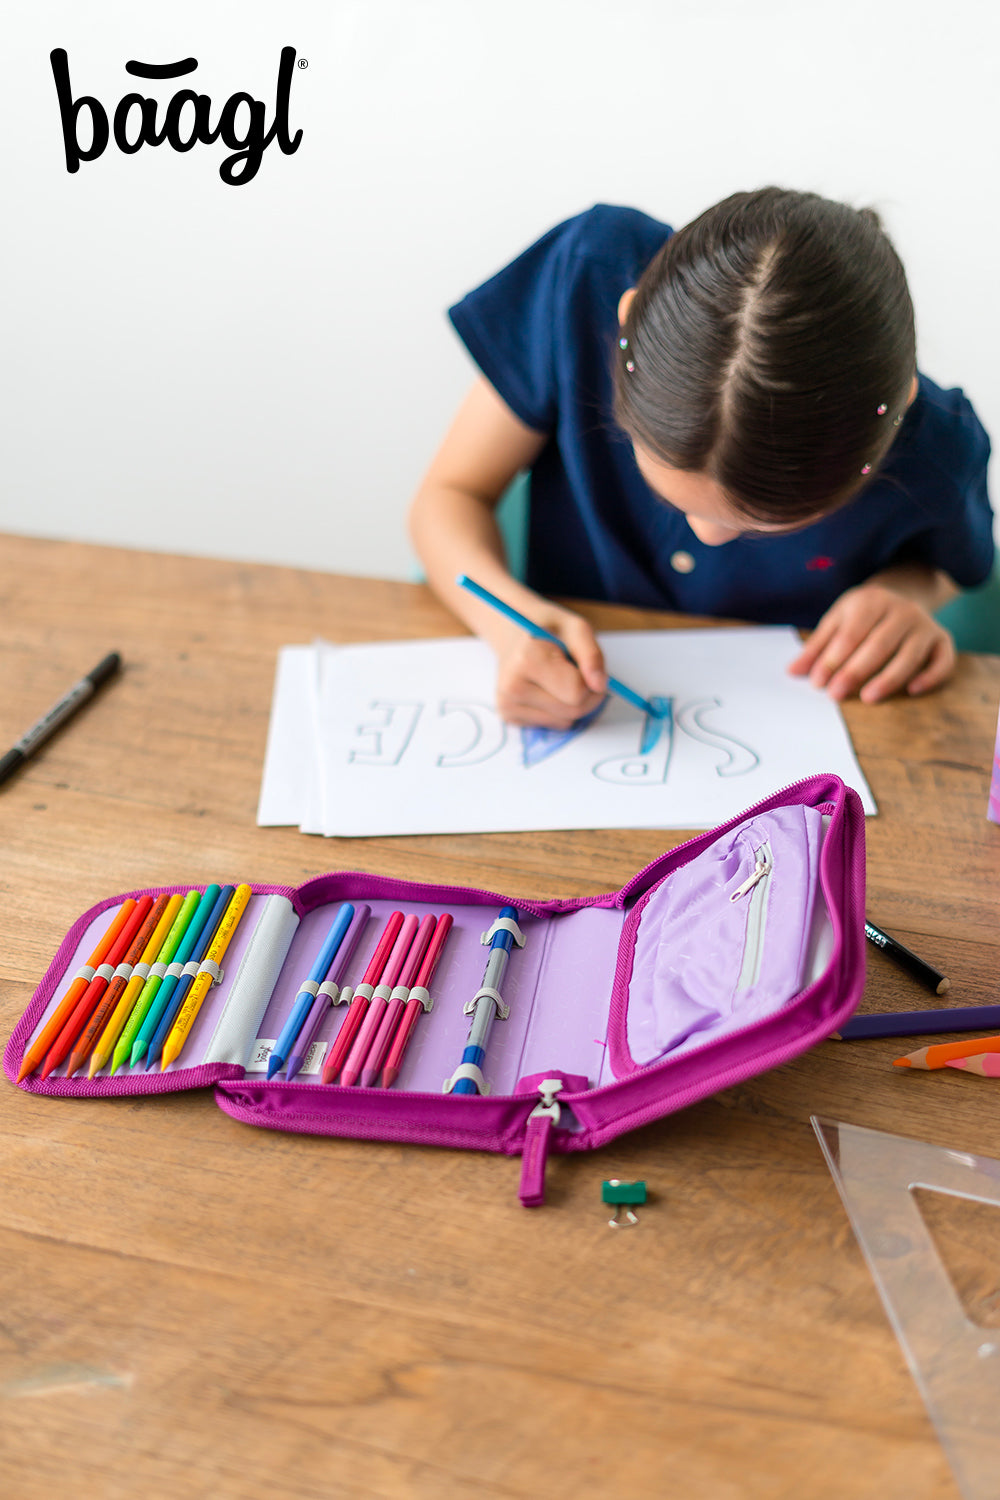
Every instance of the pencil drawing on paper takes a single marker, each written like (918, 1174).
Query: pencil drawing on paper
(477, 734)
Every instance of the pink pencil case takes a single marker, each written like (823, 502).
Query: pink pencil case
(724, 957)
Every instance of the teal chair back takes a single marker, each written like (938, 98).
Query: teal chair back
(974, 617)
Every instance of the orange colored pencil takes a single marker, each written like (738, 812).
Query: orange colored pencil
(940, 1053)
(63, 1043)
(61, 1014)
(88, 1037)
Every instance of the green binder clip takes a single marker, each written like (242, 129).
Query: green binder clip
(622, 1195)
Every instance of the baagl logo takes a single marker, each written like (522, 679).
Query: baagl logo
(187, 119)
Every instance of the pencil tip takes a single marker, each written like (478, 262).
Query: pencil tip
(902, 1062)
(944, 987)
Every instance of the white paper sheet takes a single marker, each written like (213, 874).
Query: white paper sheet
(402, 737)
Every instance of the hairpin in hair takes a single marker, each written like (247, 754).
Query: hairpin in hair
(882, 409)
(897, 420)
(623, 342)
(866, 468)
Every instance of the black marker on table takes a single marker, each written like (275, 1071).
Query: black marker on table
(933, 979)
(67, 706)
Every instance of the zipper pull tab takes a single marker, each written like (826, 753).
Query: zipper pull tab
(760, 869)
(543, 1117)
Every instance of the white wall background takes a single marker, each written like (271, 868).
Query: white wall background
(263, 372)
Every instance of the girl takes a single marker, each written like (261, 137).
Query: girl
(727, 420)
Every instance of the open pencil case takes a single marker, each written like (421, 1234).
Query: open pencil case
(724, 957)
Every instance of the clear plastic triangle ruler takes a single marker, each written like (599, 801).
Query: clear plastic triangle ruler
(955, 1362)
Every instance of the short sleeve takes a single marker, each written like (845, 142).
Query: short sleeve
(509, 326)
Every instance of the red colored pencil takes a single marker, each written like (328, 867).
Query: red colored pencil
(57, 1020)
(115, 989)
(95, 989)
(394, 1010)
(358, 1006)
(413, 1008)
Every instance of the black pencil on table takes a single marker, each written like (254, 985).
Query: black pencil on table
(930, 977)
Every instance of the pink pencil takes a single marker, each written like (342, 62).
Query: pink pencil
(356, 1010)
(393, 1011)
(378, 1002)
(414, 1008)
(986, 1064)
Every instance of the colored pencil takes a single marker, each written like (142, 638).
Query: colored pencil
(908, 960)
(186, 980)
(322, 1003)
(117, 986)
(358, 1054)
(183, 951)
(113, 1030)
(541, 634)
(940, 1053)
(64, 1009)
(359, 1003)
(397, 1002)
(123, 1046)
(91, 996)
(413, 1009)
(203, 982)
(303, 1001)
(918, 1022)
(986, 1064)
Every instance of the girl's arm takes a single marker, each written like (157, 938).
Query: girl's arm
(881, 637)
(454, 531)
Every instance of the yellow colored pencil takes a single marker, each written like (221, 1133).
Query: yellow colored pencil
(178, 1033)
(122, 1011)
(937, 1055)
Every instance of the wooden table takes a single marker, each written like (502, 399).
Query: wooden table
(193, 1308)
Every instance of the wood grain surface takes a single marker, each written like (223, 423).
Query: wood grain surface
(194, 1308)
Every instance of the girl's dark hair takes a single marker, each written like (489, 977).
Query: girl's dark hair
(770, 345)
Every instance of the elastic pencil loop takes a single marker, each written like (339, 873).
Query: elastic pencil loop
(466, 1070)
(424, 996)
(174, 970)
(85, 971)
(503, 924)
(123, 971)
(157, 970)
(311, 986)
(381, 992)
(142, 970)
(209, 966)
(106, 971)
(401, 992)
(191, 968)
(486, 993)
(332, 988)
(364, 991)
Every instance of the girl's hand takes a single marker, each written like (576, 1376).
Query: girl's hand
(536, 685)
(875, 642)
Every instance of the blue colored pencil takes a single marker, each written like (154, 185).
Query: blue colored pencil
(614, 685)
(184, 983)
(306, 996)
(919, 1022)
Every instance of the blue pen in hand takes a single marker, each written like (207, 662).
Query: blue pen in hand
(614, 685)
(486, 1007)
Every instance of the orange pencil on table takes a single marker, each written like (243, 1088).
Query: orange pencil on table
(986, 1064)
(84, 1009)
(940, 1053)
(59, 1016)
(116, 987)
(113, 1030)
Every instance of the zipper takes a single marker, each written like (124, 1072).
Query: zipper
(758, 887)
(544, 1118)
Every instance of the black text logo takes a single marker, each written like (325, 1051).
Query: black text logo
(241, 123)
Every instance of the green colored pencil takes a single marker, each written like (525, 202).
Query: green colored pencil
(123, 1046)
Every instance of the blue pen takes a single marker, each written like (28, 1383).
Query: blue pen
(486, 1006)
(614, 685)
(307, 991)
(192, 933)
(184, 983)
